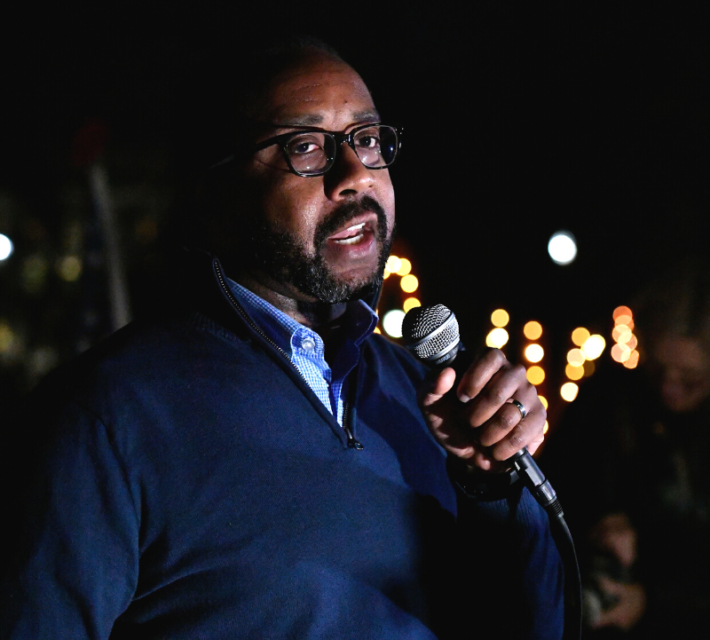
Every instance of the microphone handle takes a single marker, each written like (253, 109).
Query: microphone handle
(535, 481)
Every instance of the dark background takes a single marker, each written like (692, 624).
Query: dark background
(518, 122)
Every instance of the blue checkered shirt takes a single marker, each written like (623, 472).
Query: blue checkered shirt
(306, 349)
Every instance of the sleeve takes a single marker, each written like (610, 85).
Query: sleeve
(72, 567)
(516, 569)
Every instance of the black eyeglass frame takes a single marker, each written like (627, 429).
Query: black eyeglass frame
(283, 139)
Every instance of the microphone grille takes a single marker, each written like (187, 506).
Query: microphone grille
(429, 331)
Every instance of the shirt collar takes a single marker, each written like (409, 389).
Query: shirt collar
(359, 319)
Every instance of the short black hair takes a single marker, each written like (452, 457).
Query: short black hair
(264, 63)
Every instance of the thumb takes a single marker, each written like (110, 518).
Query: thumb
(438, 387)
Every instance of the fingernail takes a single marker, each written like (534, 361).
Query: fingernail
(463, 397)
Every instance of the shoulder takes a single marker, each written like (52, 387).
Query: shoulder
(148, 362)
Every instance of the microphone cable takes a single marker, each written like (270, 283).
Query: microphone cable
(431, 334)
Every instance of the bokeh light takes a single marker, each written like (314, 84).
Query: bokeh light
(576, 357)
(580, 335)
(622, 311)
(69, 268)
(534, 353)
(562, 248)
(544, 401)
(593, 347)
(393, 264)
(621, 333)
(6, 247)
(589, 368)
(632, 361)
(625, 320)
(500, 318)
(392, 323)
(405, 267)
(409, 283)
(620, 352)
(569, 391)
(497, 338)
(532, 330)
(545, 428)
(411, 303)
(574, 373)
(624, 351)
(7, 337)
(536, 375)
(34, 273)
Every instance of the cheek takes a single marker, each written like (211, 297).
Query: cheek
(385, 196)
(291, 206)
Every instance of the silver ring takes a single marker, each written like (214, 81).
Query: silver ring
(520, 407)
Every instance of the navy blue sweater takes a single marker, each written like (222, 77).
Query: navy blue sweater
(184, 482)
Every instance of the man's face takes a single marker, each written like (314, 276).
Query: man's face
(326, 237)
(681, 371)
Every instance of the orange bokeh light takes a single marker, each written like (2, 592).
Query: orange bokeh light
(536, 375)
(622, 311)
(633, 360)
(620, 352)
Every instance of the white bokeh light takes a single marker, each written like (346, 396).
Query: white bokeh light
(6, 247)
(392, 323)
(562, 247)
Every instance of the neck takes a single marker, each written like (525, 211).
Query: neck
(322, 317)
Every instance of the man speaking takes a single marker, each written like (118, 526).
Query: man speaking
(256, 463)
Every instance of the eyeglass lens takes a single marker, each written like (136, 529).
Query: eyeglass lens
(314, 151)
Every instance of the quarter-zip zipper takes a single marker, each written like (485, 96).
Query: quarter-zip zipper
(352, 442)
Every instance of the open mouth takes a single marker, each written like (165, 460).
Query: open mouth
(352, 235)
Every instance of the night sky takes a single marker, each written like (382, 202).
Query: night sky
(518, 122)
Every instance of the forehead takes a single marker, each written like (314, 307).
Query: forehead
(319, 92)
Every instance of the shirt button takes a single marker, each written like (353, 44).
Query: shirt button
(307, 344)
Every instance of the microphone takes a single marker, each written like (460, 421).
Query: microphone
(432, 335)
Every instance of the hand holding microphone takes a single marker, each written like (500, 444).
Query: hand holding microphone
(496, 412)
(496, 420)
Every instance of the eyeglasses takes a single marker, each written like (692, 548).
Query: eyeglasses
(312, 153)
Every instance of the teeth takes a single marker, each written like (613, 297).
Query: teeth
(351, 240)
(354, 239)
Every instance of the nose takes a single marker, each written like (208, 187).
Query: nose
(348, 176)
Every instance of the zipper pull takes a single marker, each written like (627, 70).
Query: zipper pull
(352, 443)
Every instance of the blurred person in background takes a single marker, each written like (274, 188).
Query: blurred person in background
(639, 499)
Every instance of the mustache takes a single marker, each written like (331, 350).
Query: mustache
(345, 213)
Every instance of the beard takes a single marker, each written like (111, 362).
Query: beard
(283, 256)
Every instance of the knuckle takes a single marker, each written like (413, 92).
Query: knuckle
(520, 371)
(507, 420)
(512, 444)
(496, 358)
(516, 440)
(496, 395)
